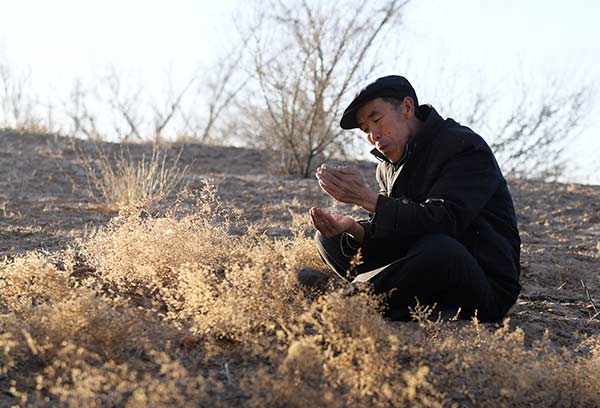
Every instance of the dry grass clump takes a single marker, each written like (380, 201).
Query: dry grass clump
(342, 353)
(140, 254)
(228, 286)
(494, 368)
(78, 378)
(57, 327)
(30, 281)
(178, 311)
(123, 181)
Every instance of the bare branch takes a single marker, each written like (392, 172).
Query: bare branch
(124, 104)
(301, 85)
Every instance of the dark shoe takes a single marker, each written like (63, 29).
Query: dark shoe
(312, 279)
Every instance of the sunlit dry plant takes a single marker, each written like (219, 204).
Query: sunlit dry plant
(177, 310)
(30, 281)
(220, 284)
(121, 180)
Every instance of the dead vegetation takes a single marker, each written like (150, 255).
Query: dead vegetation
(173, 308)
(119, 180)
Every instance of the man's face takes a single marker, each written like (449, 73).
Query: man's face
(387, 128)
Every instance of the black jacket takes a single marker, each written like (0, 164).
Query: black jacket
(449, 182)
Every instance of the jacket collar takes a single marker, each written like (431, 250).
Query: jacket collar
(433, 123)
(381, 157)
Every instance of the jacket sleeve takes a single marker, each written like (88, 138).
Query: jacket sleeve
(466, 182)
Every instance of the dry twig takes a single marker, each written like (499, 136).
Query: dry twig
(589, 298)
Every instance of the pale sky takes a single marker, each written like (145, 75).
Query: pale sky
(60, 40)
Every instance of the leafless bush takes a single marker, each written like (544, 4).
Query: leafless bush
(18, 104)
(77, 109)
(528, 122)
(121, 109)
(217, 91)
(531, 139)
(306, 57)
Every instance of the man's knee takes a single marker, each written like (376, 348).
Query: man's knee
(320, 238)
(455, 276)
(331, 252)
(434, 264)
(327, 246)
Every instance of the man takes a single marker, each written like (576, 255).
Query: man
(442, 229)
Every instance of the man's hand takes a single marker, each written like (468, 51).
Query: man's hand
(333, 224)
(347, 186)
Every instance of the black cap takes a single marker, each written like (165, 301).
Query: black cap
(393, 85)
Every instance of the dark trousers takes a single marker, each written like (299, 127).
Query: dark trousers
(436, 269)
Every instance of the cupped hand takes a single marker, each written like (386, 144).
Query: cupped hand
(346, 185)
(330, 224)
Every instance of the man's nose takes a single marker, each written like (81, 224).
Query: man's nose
(375, 136)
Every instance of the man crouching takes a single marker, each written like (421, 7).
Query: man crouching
(442, 229)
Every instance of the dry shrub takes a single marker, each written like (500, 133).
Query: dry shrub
(344, 354)
(123, 181)
(140, 254)
(79, 378)
(250, 298)
(181, 312)
(45, 308)
(30, 281)
(107, 326)
(228, 286)
(494, 368)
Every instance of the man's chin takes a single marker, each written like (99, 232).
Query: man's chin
(391, 157)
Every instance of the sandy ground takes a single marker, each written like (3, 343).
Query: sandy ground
(45, 204)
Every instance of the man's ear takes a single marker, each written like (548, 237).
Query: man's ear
(408, 107)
